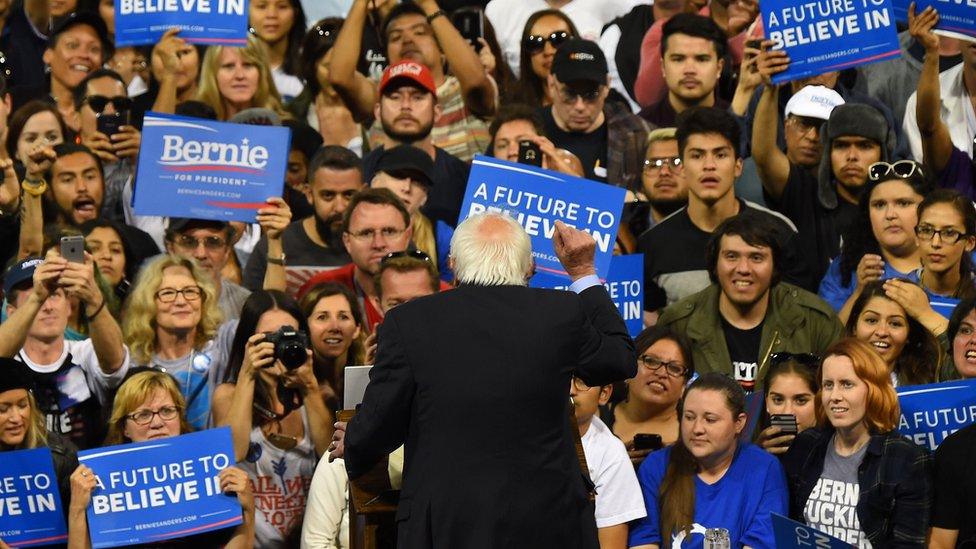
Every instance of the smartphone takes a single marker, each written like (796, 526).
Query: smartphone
(109, 124)
(471, 24)
(647, 441)
(73, 248)
(529, 153)
(785, 422)
(755, 44)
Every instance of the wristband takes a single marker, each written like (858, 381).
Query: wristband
(277, 260)
(34, 189)
(98, 310)
(435, 15)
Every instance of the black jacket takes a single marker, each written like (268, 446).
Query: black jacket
(895, 484)
(476, 382)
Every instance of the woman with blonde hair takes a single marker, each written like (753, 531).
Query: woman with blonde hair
(149, 405)
(855, 477)
(173, 323)
(233, 79)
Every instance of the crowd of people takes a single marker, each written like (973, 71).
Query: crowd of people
(810, 243)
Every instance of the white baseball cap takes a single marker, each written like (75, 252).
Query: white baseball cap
(814, 102)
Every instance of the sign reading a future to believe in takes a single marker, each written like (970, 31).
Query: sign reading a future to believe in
(829, 35)
(222, 22)
(957, 18)
(30, 504)
(208, 170)
(930, 413)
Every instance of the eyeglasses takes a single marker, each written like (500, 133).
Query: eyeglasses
(144, 417)
(388, 233)
(190, 293)
(415, 254)
(947, 234)
(805, 359)
(99, 102)
(805, 123)
(187, 242)
(534, 43)
(655, 164)
(570, 96)
(653, 363)
(902, 169)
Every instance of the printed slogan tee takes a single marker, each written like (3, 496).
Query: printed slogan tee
(832, 505)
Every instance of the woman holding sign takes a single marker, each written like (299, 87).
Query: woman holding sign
(855, 477)
(149, 405)
(275, 410)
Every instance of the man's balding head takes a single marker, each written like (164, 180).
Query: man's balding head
(491, 249)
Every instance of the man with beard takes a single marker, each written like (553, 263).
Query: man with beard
(314, 244)
(407, 108)
(662, 182)
(822, 203)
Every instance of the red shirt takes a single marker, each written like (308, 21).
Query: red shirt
(345, 275)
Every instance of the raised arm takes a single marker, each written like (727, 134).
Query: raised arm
(232, 403)
(936, 143)
(13, 332)
(771, 162)
(477, 88)
(358, 92)
(78, 280)
(274, 218)
(168, 52)
(39, 160)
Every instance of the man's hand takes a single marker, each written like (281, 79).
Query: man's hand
(337, 449)
(39, 160)
(101, 145)
(126, 143)
(920, 26)
(575, 249)
(771, 62)
(274, 217)
(47, 275)
(78, 280)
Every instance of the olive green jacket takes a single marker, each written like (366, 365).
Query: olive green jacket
(797, 321)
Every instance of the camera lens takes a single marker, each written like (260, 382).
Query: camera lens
(291, 354)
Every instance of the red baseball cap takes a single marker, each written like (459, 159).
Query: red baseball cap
(410, 70)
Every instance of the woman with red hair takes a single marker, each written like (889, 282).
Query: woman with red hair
(855, 477)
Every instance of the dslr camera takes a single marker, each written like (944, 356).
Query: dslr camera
(290, 346)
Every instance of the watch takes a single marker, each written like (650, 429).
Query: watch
(435, 15)
(277, 260)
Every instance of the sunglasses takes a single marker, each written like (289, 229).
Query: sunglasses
(805, 359)
(415, 254)
(902, 169)
(99, 102)
(534, 43)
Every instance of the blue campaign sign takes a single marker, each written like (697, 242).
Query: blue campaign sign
(823, 36)
(211, 22)
(957, 18)
(930, 413)
(202, 169)
(537, 198)
(624, 282)
(791, 534)
(160, 489)
(30, 504)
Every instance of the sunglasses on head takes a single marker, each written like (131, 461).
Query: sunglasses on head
(416, 254)
(806, 359)
(902, 169)
(99, 102)
(535, 43)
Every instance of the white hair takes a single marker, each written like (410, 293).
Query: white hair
(489, 258)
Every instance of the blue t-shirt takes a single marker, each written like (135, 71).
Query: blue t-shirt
(741, 501)
(836, 293)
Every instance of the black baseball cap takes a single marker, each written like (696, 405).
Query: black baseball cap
(405, 161)
(580, 60)
(181, 224)
(93, 20)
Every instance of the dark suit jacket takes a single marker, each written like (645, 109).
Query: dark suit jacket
(476, 381)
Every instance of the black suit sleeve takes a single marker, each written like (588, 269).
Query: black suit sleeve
(606, 349)
(380, 423)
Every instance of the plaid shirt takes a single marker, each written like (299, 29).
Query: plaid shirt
(895, 481)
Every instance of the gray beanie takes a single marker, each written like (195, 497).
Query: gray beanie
(856, 119)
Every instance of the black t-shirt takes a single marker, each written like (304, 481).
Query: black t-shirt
(955, 486)
(820, 229)
(744, 351)
(675, 265)
(450, 181)
(24, 50)
(372, 57)
(591, 148)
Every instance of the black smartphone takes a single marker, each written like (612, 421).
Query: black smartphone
(73, 248)
(755, 44)
(647, 441)
(529, 153)
(785, 422)
(471, 24)
(109, 124)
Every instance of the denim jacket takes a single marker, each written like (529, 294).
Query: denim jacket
(895, 481)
